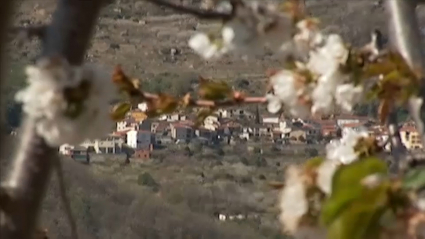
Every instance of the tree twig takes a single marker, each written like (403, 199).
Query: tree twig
(209, 103)
(68, 35)
(5, 12)
(405, 37)
(398, 150)
(65, 199)
(199, 13)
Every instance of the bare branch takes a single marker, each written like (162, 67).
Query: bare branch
(209, 103)
(27, 183)
(199, 13)
(397, 147)
(405, 37)
(5, 12)
(65, 200)
(67, 36)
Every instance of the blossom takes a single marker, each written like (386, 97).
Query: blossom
(55, 89)
(348, 95)
(254, 27)
(284, 92)
(329, 57)
(343, 150)
(287, 91)
(274, 105)
(293, 201)
(323, 94)
(203, 45)
(307, 38)
(325, 173)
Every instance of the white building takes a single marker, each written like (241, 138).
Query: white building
(111, 144)
(126, 125)
(211, 122)
(140, 139)
(173, 117)
(66, 149)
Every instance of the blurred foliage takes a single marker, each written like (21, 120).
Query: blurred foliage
(352, 208)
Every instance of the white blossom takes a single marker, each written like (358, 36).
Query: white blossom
(329, 57)
(306, 39)
(283, 84)
(293, 201)
(204, 46)
(237, 34)
(325, 173)
(44, 101)
(285, 93)
(309, 32)
(274, 104)
(254, 27)
(343, 150)
(348, 95)
(323, 95)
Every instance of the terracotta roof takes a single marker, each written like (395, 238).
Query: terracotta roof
(408, 129)
(349, 116)
(179, 125)
(329, 130)
(352, 125)
(326, 123)
(186, 122)
(230, 124)
(162, 126)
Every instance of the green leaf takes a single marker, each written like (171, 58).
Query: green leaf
(414, 178)
(314, 162)
(360, 221)
(347, 187)
(210, 90)
(352, 210)
(120, 110)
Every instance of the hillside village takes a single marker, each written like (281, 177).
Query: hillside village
(151, 39)
(137, 136)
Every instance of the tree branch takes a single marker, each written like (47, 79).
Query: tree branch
(199, 13)
(5, 10)
(405, 38)
(209, 103)
(398, 150)
(67, 36)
